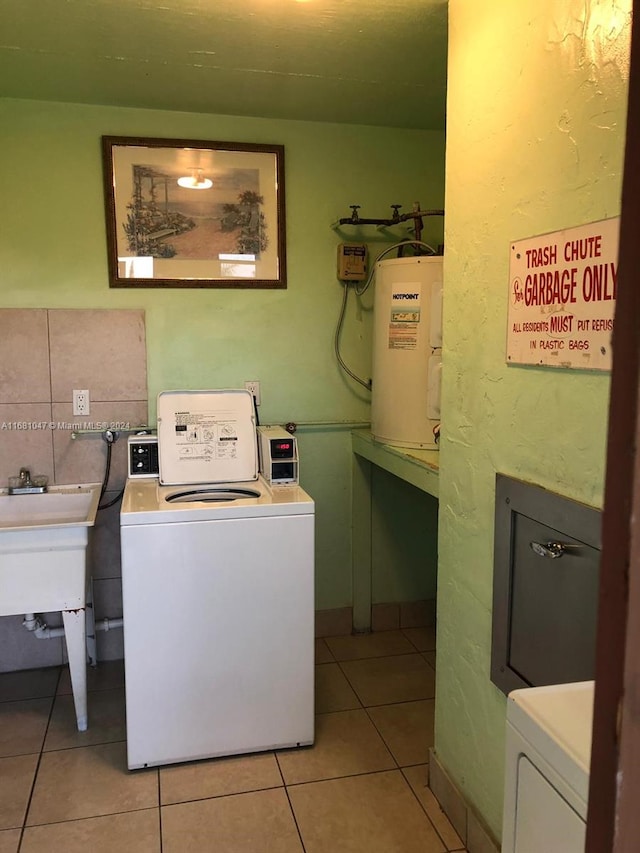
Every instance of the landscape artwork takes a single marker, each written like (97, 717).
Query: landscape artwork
(184, 214)
(166, 220)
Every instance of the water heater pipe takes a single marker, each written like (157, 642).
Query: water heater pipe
(395, 219)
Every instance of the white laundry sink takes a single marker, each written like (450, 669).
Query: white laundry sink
(43, 565)
(60, 505)
(43, 542)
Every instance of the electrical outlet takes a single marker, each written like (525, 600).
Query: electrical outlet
(81, 403)
(253, 385)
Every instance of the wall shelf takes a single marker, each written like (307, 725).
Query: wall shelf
(418, 467)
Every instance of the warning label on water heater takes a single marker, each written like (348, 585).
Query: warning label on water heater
(404, 316)
(562, 293)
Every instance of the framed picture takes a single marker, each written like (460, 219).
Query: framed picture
(187, 213)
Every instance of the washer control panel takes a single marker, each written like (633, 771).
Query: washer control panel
(278, 451)
(143, 455)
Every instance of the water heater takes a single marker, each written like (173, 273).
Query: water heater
(407, 354)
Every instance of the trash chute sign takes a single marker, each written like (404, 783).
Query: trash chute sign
(562, 294)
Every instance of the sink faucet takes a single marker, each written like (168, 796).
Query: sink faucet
(24, 485)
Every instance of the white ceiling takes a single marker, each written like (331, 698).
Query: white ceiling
(377, 62)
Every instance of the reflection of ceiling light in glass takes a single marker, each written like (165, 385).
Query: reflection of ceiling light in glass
(195, 181)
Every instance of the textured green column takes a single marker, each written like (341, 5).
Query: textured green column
(535, 136)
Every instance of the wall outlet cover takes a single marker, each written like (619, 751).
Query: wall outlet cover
(81, 404)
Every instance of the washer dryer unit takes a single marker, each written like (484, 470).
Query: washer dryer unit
(548, 752)
(218, 592)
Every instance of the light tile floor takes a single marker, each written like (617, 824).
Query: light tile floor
(361, 787)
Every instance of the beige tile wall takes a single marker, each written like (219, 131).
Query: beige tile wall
(44, 355)
(467, 824)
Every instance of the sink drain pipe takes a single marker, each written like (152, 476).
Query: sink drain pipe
(34, 623)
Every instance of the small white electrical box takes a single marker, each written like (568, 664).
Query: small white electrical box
(352, 261)
(278, 453)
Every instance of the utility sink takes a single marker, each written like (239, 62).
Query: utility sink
(67, 506)
(43, 565)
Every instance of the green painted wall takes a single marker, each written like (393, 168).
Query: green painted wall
(52, 254)
(535, 136)
(404, 540)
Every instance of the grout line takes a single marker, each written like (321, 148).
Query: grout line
(216, 796)
(91, 817)
(429, 665)
(344, 776)
(387, 654)
(275, 755)
(402, 702)
(340, 667)
(381, 736)
(324, 643)
(293, 815)
(382, 704)
(423, 807)
(51, 431)
(86, 746)
(37, 770)
(160, 809)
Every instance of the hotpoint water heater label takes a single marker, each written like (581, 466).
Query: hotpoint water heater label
(404, 316)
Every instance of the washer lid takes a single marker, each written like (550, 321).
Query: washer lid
(206, 437)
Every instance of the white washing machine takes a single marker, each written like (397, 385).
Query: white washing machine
(548, 752)
(218, 592)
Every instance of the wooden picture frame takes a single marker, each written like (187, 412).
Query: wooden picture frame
(190, 213)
